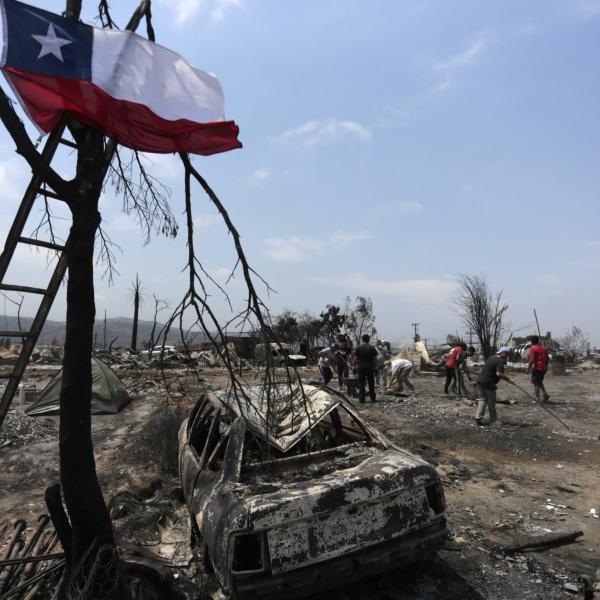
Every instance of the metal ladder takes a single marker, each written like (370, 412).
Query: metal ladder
(35, 189)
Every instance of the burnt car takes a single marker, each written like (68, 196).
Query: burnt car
(304, 495)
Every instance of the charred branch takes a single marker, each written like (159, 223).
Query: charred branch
(26, 148)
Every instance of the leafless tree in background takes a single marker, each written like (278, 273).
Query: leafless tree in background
(576, 343)
(159, 306)
(482, 311)
(360, 319)
(137, 297)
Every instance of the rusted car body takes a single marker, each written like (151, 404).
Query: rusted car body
(316, 498)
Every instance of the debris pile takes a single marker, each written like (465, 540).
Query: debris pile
(20, 430)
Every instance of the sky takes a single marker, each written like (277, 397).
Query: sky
(388, 148)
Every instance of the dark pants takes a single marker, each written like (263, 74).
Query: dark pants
(342, 371)
(364, 375)
(327, 374)
(450, 376)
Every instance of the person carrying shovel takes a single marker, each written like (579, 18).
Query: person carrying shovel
(491, 373)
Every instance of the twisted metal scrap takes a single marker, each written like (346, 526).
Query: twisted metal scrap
(30, 563)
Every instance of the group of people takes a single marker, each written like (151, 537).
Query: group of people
(369, 362)
(370, 365)
(493, 371)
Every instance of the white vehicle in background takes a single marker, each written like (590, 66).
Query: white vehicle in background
(280, 354)
(165, 350)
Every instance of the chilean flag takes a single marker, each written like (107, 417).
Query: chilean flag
(142, 95)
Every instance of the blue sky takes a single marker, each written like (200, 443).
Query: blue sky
(388, 147)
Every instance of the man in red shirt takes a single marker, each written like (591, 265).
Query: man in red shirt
(454, 359)
(538, 365)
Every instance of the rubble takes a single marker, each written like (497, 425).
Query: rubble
(20, 430)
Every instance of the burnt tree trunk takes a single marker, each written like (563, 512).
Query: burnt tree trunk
(136, 310)
(89, 518)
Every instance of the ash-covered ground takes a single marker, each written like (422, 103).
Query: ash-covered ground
(505, 484)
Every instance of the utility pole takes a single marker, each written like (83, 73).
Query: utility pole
(470, 337)
(104, 344)
(417, 337)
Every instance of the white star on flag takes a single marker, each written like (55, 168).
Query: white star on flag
(51, 44)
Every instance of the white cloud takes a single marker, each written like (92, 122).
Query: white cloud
(259, 176)
(422, 290)
(403, 208)
(186, 10)
(449, 68)
(163, 166)
(326, 130)
(221, 7)
(13, 180)
(341, 239)
(220, 274)
(296, 249)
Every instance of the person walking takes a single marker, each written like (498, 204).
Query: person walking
(491, 373)
(401, 369)
(325, 361)
(538, 365)
(365, 358)
(452, 364)
(381, 372)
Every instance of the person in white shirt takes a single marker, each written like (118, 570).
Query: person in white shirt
(401, 369)
(325, 359)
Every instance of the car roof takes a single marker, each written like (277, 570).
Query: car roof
(293, 412)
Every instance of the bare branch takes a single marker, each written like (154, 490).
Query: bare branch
(26, 148)
(104, 15)
(142, 195)
(149, 28)
(106, 255)
(18, 304)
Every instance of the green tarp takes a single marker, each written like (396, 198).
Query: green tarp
(109, 395)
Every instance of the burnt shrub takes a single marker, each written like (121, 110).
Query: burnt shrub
(156, 444)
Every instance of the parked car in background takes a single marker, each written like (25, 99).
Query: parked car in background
(157, 352)
(317, 499)
(280, 354)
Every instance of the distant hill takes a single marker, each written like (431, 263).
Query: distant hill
(120, 328)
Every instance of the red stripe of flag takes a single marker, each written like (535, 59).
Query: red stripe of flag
(130, 124)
